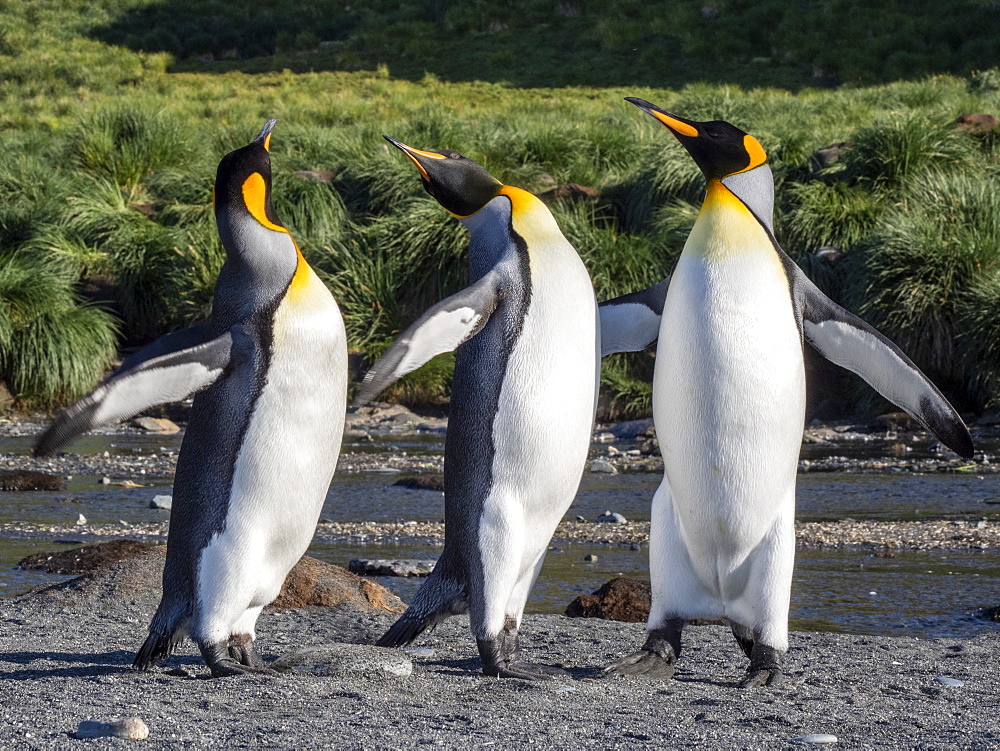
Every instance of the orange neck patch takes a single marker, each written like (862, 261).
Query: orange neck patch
(520, 200)
(254, 196)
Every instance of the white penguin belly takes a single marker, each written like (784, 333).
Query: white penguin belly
(286, 462)
(545, 413)
(729, 399)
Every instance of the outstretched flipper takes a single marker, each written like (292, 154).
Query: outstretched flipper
(442, 328)
(167, 370)
(844, 339)
(632, 322)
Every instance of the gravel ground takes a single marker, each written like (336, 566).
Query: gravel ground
(65, 662)
(871, 535)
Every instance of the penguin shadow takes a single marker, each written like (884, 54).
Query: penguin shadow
(95, 664)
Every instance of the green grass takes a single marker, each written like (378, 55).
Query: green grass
(108, 159)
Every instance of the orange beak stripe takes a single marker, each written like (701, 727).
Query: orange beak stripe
(410, 151)
(675, 125)
(267, 142)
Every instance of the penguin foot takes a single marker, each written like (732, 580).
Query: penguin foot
(656, 658)
(223, 664)
(243, 649)
(499, 660)
(764, 669)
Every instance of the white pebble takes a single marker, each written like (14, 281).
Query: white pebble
(946, 681)
(81, 520)
(815, 738)
(873, 593)
(130, 728)
(603, 465)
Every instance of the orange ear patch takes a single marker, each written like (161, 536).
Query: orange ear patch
(757, 154)
(254, 196)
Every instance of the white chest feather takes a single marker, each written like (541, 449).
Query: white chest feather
(729, 389)
(291, 446)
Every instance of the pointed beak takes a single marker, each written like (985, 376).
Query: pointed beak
(264, 137)
(677, 125)
(416, 155)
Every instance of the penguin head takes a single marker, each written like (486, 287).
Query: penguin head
(726, 155)
(243, 186)
(460, 185)
(719, 148)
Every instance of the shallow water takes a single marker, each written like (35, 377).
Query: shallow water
(917, 593)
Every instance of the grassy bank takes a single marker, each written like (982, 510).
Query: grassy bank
(108, 161)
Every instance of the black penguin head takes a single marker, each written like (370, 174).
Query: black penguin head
(719, 148)
(460, 185)
(243, 183)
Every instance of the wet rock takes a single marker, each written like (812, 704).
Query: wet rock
(313, 582)
(571, 192)
(393, 567)
(603, 466)
(612, 517)
(604, 437)
(815, 738)
(581, 518)
(621, 599)
(632, 429)
(26, 479)
(430, 481)
(165, 502)
(345, 660)
(86, 559)
(976, 123)
(419, 651)
(130, 728)
(589, 558)
(81, 520)
(829, 254)
(829, 155)
(157, 425)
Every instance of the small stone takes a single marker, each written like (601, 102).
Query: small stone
(604, 466)
(604, 438)
(81, 520)
(589, 558)
(419, 651)
(612, 517)
(873, 593)
(815, 738)
(946, 681)
(393, 567)
(156, 425)
(581, 518)
(164, 502)
(430, 481)
(130, 728)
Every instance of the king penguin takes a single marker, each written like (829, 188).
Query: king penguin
(270, 369)
(522, 405)
(729, 406)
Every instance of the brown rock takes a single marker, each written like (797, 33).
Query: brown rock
(26, 479)
(156, 425)
(429, 481)
(86, 559)
(314, 582)
(621, 599)
(829, 155)
(894, 421)
(976, 122)
(570, 192)
(129, 571)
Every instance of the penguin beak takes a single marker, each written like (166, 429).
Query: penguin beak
(677, 125)
(416, 155)
(264, 137)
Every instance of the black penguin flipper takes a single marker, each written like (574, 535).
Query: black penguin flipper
(156, 647)
(442, 328)
(844, 339)
(631, 323)
(168, 370)
(406, 629)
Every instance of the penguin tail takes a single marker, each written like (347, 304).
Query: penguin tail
(157, 646)
(439, 599)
